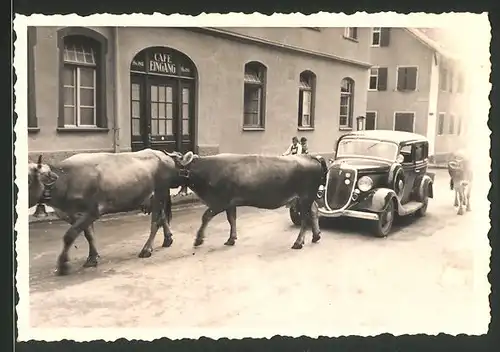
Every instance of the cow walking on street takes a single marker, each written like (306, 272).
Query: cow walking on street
(461, 176)
(227, 181)
(86, 186)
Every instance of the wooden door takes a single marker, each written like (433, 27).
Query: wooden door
(186, 117)
(162, 113)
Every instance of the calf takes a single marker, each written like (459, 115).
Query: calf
(227, 181)
(84, 187)
(461, 177)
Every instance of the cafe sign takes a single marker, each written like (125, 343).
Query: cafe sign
(162, 61)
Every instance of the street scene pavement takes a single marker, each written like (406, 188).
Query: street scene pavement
(428, 276)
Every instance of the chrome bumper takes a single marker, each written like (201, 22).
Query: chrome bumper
(322, 212)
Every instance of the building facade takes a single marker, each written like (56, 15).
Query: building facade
(416, 85)
(211, 90)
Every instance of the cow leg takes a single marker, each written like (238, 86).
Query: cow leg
(208, 215)
(456, 198)
(167, 233)
(93, 254)
(461, 200)
(467, 198)
(79, 225)
(231, 218)
(305, 214)
(157, 220)
(315, 223)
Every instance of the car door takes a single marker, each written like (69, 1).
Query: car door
(408, 164)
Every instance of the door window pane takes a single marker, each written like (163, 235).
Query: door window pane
(185, 127)
(154, 110)
(136, 112)
(169, 94)
(185, 111)
(170, 128)
(161, 111)
(170, 112)
(154, 127)
(154, 93)
(161, 93)
(162, 127)
(87, 116)
(136, 127)
(135, 91)
(185, 95)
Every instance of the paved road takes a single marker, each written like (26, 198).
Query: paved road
(422, 278)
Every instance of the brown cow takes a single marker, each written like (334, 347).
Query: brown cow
(84, 187)
(461, 176)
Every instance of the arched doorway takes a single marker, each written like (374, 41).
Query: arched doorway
(162, 110)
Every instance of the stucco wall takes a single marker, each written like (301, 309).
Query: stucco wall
(403, 50)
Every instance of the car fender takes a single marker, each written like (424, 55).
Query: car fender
(425, 185)
(376, 200)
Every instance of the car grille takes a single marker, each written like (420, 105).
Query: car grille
(338, 193)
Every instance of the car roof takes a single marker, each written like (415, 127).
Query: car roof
(388, 135)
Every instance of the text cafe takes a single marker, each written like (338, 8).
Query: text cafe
(163, 83)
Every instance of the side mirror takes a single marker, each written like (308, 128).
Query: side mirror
(400, 158)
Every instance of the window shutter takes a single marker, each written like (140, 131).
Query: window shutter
(385, 36)
(401, 78)
(411, 78)
(382, 79)
(370, 121)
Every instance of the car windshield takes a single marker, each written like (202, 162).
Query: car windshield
(368, 148)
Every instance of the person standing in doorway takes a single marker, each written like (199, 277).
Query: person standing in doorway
(294, 148)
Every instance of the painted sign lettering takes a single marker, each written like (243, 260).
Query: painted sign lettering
(162, 63)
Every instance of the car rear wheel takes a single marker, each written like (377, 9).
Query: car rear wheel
(383, 225)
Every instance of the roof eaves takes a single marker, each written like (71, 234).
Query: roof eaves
(431, 43)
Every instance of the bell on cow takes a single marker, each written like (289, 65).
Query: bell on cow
(40, 210)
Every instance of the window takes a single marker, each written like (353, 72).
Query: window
(79, 79)
(403, 121)
(306, 99)
(451, 77)
(440, 127)
(459, 126)
(351, 33)
(346, 103)
(376, 36)
(82, 79)
(460, 83)
(451, 125)
(254, 97)
(419, 153)
(407, 78)
(378, 78)
(371, 120)
(443, 79)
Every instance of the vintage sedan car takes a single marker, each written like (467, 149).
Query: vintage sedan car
(376, 175)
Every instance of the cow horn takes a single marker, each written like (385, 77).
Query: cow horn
(187, 158)
(39, 161)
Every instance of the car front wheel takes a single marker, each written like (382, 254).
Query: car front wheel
(383, 225)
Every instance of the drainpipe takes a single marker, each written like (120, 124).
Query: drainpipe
(116, 91)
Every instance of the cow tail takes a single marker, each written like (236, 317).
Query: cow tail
(324, 169)
(168, 207)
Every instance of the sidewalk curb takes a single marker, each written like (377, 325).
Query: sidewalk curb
(178, 203)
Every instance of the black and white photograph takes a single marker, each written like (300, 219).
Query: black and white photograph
(251, 175)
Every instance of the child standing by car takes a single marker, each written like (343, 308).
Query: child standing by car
(303, 143)
(294, 148)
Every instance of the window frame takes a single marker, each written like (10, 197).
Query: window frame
(350, 105)
(438, 131)
(261, 71)
(373, 32)
(99, 44)
(370, 76)
(416, 78)
(308, 77)
(347, 33)
(375, 119)
(403, 112)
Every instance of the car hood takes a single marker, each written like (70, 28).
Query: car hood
(363, 165)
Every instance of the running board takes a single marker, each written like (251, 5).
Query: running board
(410, 208)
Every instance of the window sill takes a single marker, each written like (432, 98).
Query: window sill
(406, 90)
(82, 129)
(253, 129)
(300, 128)
(345, 128)
(33, 129)
(351, 39)
(373, 90)
(375, 45)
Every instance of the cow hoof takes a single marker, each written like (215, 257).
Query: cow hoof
(230, 242)
(198, 242)
(297, 246)
(91, 262)
(167, 241)
(62, 269)
(455, 204)
(460, 211)
(316, 238)
(145, 253)
(469, 209)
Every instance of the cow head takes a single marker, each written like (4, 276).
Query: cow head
(39, 177)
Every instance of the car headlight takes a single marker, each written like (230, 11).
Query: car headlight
(365, 183)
